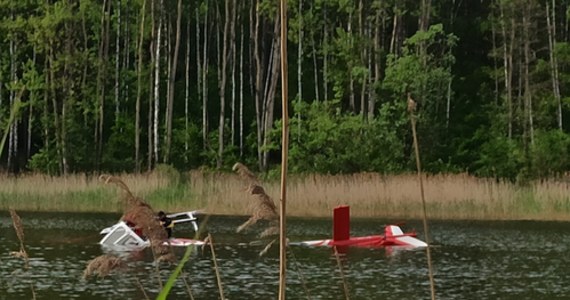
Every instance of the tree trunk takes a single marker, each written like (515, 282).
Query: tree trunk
(553, 59)
(241, 37)
(33, 99)
(45, 124)
(363, 32)
(198, 55)
(12, 129)
(167, 36)
(233, 68)
(222, 83)
(300, 68)
(316, 70)
(153, 58)
(117, 61)
(376, 55)
(56, 121)
(126, 52)
(395, 26)
(187, 88)
(325, 54)
(495, 64)
(205, 81)
(425, 15)
(527, 91)
(139, 90)
(351, 95)
(258, 83)
(273, 80)
(157, 83)
(101, 76)
(508, 65)
(171, 80)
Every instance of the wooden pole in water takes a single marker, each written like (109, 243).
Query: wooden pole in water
(411, 109)
(284, 153)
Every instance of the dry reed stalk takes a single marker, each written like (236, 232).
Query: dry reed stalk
(103, 265)
(411, 108)
(266, 248)
(19, 228)
(341, 271)
(300, 273)
(245, 173)
(263, 207)
(33, 291)
(188, 288)
(141, 288)
(210, 241)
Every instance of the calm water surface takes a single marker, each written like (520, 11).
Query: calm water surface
(472, 260)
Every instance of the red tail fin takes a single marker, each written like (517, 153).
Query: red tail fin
(341, 223)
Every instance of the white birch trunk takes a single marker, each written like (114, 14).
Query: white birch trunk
(156, 85)
(241, 90)
(553, 59)
(117, 62)
(205, 81)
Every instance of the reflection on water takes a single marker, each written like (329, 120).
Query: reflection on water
(473, 260)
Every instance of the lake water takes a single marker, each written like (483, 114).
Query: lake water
(472, 260)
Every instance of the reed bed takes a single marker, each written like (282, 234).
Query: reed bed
(450, 196)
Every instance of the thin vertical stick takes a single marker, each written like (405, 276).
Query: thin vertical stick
(284, 153)
(216, 268)
(140, 286)
(411, 109)
(188, 288)
(300, 273)
(156, 268)
(344, 283)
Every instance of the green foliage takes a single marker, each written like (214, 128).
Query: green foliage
(550, 153)
(328, 141)
(44, 161)
(186, 145)
(500, 157)
(118, 151)
(426, 74)
(230, 154)
(64, 60)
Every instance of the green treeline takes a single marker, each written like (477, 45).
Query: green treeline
(124, 85)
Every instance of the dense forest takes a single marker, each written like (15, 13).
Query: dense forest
(125, 85)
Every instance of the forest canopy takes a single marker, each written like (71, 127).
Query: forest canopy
(124, 85)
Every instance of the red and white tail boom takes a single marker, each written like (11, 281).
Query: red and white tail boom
(393, 235)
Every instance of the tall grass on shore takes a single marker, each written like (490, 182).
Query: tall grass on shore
(452, 196)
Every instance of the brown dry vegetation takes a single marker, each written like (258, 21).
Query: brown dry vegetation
(454, 196)
(103, 265)
(19, 228)
(374, 195)
(262, 206)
